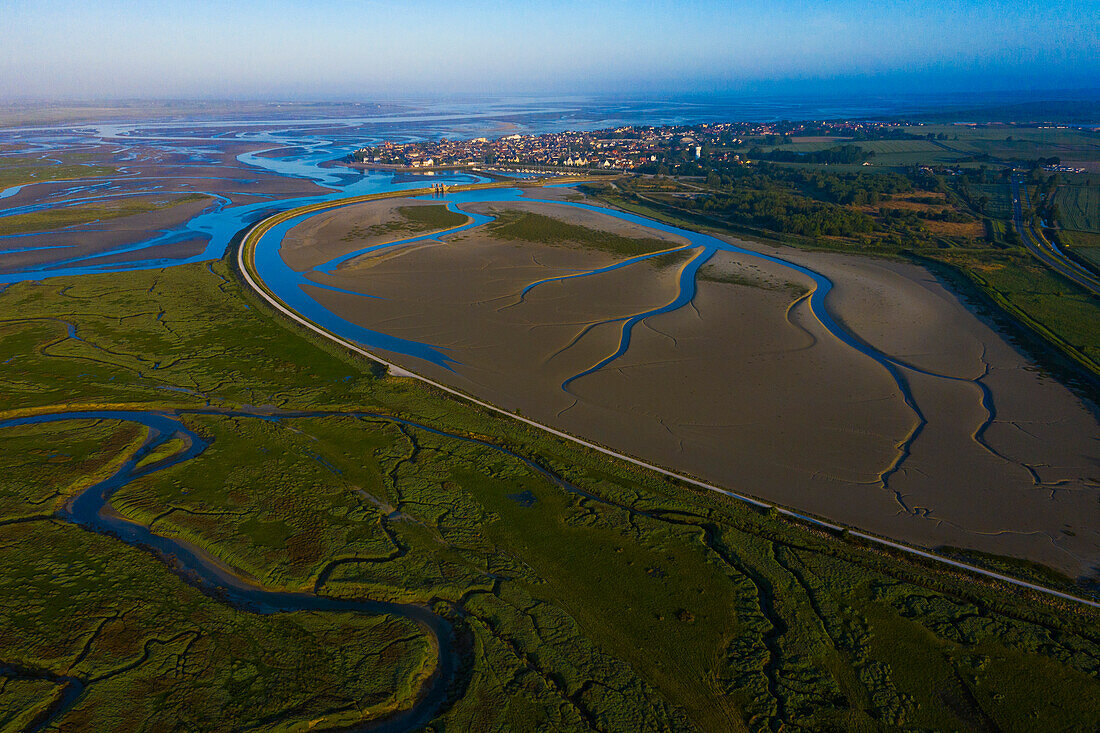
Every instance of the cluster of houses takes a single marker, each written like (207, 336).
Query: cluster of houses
(620, 148)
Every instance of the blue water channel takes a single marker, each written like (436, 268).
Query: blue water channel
(292, 286)
(298, 154)
(91, 511)
(219, 222)
(303, 154)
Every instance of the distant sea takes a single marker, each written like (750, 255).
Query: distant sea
(368, 121)
(496, 116)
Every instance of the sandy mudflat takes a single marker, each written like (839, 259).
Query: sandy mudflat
(581, 217)
(97, 237)
(333, 233)
(552, 193)
(744, 387)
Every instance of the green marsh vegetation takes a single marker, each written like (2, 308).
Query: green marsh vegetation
(527, 226)
(638, 604)
(411, 219)
(1085, 245)
(15, 170)
(431, 217)
(55, 218)
(87, 612)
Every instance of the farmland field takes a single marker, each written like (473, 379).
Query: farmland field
(910, 152)
(1018, 142)
(1079, 207)
(1000, 202)
(1092, 254)
(886, 152)
(1086, 245)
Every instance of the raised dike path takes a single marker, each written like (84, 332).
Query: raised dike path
(246, 264)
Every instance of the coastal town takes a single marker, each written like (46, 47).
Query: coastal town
(626, 148)
(683, 149)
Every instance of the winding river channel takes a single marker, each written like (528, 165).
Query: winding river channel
(303, 154)
(90, 510)
(290, 287)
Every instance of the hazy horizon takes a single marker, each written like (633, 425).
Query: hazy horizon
(340, 50)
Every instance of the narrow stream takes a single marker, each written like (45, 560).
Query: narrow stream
(90, 510)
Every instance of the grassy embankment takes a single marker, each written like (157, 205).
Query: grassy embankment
(644, 605)
(1079, 207)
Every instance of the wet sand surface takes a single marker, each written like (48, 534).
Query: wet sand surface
(743, 387)
(156, 172)
(580, 217)
(333, 233)
(96, 237)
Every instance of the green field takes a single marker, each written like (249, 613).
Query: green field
(1079, 207)
(1092, 254)
(432, 217)
(637, 605)
(911, 152)
(1018, 142)
(1078, 239)
(1051, 305)
(1085, 245)
(886, 152)
(1000, 198)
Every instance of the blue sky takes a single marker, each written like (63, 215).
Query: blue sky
(360, 48)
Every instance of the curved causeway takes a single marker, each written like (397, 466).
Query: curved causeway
(264, 271)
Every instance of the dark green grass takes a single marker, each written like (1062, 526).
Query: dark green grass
(411, 219)
(151, 650)
(999, 195)
(1056, 308)
(1092, 254)
(886, 152)
(1079, 207)
(431, 217)
(526, 226)
(650, 606)
(1013, 142)
(1082, 240)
